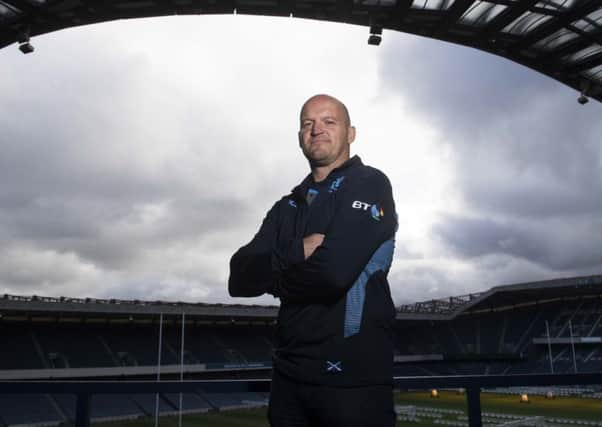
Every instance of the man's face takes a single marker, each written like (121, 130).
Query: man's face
(325, 134)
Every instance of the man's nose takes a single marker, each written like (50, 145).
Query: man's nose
(316, 129)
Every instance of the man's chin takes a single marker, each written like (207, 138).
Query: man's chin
(318, 161)
(317, 157)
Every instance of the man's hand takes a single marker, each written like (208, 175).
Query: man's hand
(311, 242)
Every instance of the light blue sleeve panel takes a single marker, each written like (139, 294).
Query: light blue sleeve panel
(381, 261)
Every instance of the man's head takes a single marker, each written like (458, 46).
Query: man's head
(325, 131)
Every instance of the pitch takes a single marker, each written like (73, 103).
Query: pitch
(448, 408)
(576, 411)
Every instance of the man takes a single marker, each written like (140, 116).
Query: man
(325, 251)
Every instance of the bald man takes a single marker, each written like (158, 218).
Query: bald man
(325, 251)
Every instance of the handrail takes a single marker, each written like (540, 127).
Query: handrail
(471, 383)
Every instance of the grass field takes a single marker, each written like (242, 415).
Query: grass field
(562, 407)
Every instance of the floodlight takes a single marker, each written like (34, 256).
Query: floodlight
(584, 86)
(23, 34)
(26, 48)
(376, 29)
(376, 32)
(23, 40)
(374, 40)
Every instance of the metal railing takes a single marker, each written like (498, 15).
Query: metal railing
(84, 390)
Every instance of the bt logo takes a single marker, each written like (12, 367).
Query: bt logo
(360, 205)
(375, 210)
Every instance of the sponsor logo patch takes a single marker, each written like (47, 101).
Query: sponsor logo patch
(311, 195)
(376, 211)
(336, 184)
(334, 367)
(360, 205)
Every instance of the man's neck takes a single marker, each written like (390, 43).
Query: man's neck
(320, 173)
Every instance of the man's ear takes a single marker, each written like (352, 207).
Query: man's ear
(351, 134)
(300, 138)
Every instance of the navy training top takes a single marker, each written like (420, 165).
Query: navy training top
(335, 323)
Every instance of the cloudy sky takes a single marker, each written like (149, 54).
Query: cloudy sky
(137, 156)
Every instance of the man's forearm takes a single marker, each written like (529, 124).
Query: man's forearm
(251, 266)
(250, 273)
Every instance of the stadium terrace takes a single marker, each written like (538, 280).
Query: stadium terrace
(540, 327)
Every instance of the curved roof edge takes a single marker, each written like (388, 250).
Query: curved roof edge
(561, 39)
(108, 307)
(495, 299)
(502, 297)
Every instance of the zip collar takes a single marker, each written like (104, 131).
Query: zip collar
(300, 190)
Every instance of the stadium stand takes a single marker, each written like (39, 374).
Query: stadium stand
(103, 407)
(504, 330)
(133, 346)
(65, 343)
(112, 407)
(147, 402)
(23, 353)
(190, 402)
(203, 347)
(31, 409)
(500, 331)
(251, 348)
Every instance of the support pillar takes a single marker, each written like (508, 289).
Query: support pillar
(82, 410)
(473, 400)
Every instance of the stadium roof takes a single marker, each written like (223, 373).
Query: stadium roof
(504, 297)
(559, 38)
(495, 299)
(133, 310)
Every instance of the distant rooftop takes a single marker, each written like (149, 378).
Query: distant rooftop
(504, 297)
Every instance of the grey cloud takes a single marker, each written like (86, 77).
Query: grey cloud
(111, 233)
(78, 190)
(118, 176)
(28, 270)
(102, 207)
(551, 244)
(527, 159)
(54, 200)
(521, 143)
(543, 162)
(456, 84)
(418, 283)
(433, 279)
